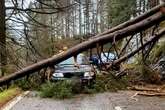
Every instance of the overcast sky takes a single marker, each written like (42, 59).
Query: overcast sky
(12, 24)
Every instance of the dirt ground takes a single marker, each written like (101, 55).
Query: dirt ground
(123, 100)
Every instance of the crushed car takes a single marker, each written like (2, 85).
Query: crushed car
(67, 70)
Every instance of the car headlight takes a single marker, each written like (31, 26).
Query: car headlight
(58, 75)
(87, 74)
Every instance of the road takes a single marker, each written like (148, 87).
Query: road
(122, 100)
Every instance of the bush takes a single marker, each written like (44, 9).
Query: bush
(33, 82)
(110, 83)
(157, 52)
(69, 88)
(148, 74)
(105, 83)
(23, 84)
(60, 90)
(76, 86)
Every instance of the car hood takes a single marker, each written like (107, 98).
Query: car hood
(72, 68)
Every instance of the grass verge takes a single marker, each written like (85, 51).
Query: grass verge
(7, 95)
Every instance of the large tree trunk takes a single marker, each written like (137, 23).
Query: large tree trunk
(120, 34)
(3, 56)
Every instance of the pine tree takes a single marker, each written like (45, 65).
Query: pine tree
(120, 11)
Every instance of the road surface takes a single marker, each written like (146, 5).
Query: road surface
(122, 100)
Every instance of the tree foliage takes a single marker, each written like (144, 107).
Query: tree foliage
(120, 11)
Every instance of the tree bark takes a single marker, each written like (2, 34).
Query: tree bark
(3, 56)
(91, 43)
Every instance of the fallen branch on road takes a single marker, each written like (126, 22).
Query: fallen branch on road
(151, 94)
(138, 88)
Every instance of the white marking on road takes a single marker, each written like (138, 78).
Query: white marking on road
(14, 101)
(118, 108)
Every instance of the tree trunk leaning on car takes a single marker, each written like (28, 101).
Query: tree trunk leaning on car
(50, 70)
(65, 48)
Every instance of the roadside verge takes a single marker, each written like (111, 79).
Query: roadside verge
(14, 101)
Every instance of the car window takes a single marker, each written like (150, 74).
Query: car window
(104, 56)
(81, 59)
(69, 61)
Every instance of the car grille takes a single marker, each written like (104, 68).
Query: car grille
(75, 74)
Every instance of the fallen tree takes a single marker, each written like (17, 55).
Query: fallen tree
(117, 35)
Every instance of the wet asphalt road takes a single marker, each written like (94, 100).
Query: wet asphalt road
(104, 101)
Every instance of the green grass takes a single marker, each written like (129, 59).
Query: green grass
(6, 95)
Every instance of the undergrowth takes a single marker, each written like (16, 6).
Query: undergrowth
(32, 82)
(8, 94)
(157, 52)
(70, 88)
(148, 75)
(144, 68)
(62, 89)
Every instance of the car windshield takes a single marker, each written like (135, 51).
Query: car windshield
(110, 56)
(104, 57)
(81, 59)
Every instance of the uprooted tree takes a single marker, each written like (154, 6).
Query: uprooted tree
(129, 29)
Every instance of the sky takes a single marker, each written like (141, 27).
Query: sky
(12, 24)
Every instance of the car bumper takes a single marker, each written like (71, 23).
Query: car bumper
(58, 79)
(81, 79)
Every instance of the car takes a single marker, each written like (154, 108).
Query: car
(67, 70)
(102, 59)
(106, 58)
